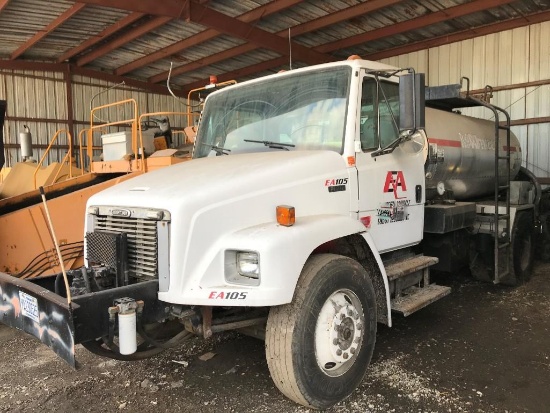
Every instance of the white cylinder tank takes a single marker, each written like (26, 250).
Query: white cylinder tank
(462, 154)
(127, 332)
(25, 139)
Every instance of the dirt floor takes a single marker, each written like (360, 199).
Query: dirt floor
(484, 348)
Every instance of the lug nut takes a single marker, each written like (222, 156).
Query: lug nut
(357, 316)
(335, 341)
(346, 356)
(342, 316)
(359, 326)
(356, 341)
(338, 352)
(352, 350)
(350, 313)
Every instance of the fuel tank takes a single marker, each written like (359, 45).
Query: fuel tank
(461, 155)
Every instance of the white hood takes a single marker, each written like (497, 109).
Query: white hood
(211, 199)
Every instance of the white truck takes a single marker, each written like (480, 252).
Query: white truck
(315, 205)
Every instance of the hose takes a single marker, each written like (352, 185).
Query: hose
(537, 186)
(113, 351)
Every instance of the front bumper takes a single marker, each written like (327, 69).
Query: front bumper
(48, 317)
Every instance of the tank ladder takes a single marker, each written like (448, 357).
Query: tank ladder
(502, 234)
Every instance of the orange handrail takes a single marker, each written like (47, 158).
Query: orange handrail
(132, 121)
(69, 155)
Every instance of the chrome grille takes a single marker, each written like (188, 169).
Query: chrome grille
(142, 240)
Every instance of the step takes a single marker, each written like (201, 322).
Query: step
(418, 298)
(407, 266)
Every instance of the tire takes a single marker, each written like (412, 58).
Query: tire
(521, 258)
(523, 249)
(319, 346)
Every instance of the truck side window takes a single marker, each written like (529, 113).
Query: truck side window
(388, 104)
(379, 113)
(368, 121)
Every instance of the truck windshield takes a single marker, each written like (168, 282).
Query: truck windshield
(301, 111)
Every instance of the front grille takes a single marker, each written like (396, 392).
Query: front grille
(142, 241)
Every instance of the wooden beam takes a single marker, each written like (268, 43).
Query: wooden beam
(109, 31)
(248, 17)
(199, 14)
(119, 41)
(63, 17)
(307, 27)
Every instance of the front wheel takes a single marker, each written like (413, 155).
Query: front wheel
(318, 347)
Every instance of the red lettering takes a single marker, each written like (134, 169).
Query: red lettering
(395, 179)
(212, 295)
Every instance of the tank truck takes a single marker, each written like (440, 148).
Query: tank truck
(317, 202)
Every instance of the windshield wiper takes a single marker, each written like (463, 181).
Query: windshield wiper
(273, 145)
(218, 149)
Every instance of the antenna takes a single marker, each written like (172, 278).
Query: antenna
(290, 48)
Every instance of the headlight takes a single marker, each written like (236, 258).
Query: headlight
(248, 264)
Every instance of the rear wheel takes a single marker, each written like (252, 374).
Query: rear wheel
(523, 249)
(522, 253)
(318, 347)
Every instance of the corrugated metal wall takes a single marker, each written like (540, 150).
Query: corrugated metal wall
(39, 100)
(507, 58)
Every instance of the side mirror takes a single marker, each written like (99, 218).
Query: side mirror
(412, 102)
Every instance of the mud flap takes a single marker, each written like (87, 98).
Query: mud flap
(40, 313)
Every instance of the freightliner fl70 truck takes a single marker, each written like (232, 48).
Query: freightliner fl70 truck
(315, 205)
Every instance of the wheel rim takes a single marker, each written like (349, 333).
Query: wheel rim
(339, 332)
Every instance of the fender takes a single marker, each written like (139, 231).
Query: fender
(370, 243)
(283, 252)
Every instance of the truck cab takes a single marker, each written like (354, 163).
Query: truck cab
(299, 221)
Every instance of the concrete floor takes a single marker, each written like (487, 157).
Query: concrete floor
(484, 348)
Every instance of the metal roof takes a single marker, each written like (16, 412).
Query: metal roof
(137, 40)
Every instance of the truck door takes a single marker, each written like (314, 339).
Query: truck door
(391, 185)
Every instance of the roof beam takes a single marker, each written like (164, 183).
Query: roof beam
(248, 17)
(67, 14)
(197, 13)
(3, 4)
(439, 41)
(119, 25)
(414, 24)
(119, 41)
(307, 27)
(81, 71)
(463, 35)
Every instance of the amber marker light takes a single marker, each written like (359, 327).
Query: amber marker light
(286, 215)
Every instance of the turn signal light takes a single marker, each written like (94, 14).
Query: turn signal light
(286, 215)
